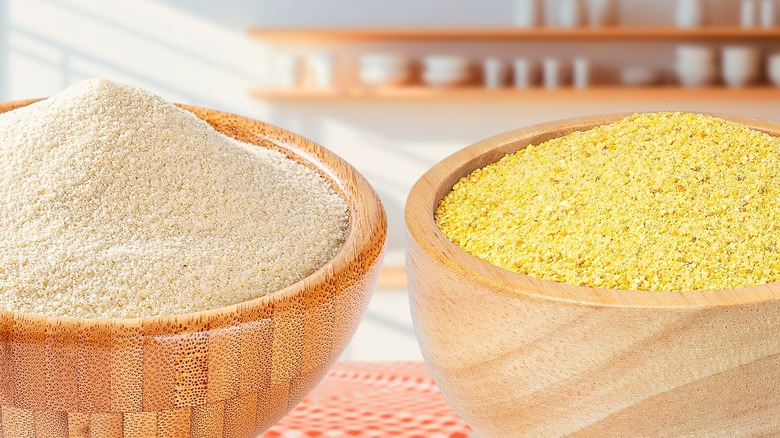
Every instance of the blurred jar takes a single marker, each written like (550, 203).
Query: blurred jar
(323, 66)
(740, 65)
(524, 73)
(767, 13)
(446, 70)
(287, 71)
(691, 13)
(569, 13)
(551, 13)
(527, 13)
(696, 65)
(747, 17)
(581, 72)
(384, 69)
(552, 73)
(494, 73)
(773, 69)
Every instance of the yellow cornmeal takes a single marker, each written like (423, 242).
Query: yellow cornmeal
(659, 201)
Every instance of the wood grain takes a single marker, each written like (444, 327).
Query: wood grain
(517, 356)
(226, 372)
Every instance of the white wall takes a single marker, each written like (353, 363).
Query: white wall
(198, 52)
(185, 57)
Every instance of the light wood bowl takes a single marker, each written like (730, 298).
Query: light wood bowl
(517, 356)
(226, 372)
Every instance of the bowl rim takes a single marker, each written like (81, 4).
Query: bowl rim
(365, 213)
(422, 230)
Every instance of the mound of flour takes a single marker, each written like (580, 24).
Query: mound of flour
(116, 203)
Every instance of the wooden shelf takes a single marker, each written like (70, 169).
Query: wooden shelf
(593, 93)
(509, 33)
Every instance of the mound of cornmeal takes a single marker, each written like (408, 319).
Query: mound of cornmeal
(117, 203)
(656, 202)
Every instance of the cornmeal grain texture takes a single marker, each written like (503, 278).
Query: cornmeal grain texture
(117, 203)
(658, 201)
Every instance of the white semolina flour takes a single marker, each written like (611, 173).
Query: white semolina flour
(118, 204)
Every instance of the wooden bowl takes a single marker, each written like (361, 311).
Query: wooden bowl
(518, 356)
(226, 372)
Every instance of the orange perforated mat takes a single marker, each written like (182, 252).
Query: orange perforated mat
(373, 399)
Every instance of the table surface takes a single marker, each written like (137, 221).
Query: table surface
(373, 399)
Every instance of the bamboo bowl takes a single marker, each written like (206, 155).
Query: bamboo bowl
(227, 372)
(518, 356)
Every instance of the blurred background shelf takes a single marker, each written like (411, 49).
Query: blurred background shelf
(598, 93)
(319, 80)
(510, 33)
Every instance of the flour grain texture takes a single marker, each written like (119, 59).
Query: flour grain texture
(117, 203)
